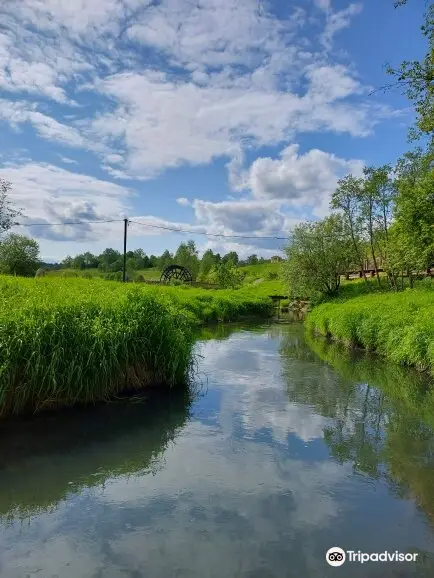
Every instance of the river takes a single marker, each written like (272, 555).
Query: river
(285, 448)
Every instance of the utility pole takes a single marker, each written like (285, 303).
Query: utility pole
(125, 250)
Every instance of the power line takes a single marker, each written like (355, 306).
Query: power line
(209, 234)
(66, 223)
(172, 229)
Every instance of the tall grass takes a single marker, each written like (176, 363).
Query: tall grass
(399, 326)
(69, 341)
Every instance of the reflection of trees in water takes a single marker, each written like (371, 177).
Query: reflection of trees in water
(44, 459)
(382, 416)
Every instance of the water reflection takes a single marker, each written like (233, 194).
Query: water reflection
(294, 448)
(51, 457)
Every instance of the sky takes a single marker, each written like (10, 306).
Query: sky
(225, 117)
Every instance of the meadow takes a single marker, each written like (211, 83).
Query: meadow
(399, 326)
(71, 341)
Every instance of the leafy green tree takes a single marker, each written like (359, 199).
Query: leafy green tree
(78, 262)
(207, 262)
(67, 262)
(318, 253)
(347, 199)
(232, 258)
(414, 209)
(116, 266)
(187, 256)
(131, 264)
(8, 213)
(19, 255)
(165, 259)
(146, 262)
(107, 257)
(153, 261)
(90, 260)
(252, 260)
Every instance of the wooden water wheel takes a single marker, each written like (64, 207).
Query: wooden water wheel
(172, 272)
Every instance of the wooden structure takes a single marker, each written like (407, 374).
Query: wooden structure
(276, 300)
(176, 272)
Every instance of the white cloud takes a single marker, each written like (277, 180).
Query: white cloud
(48, 128)
(67, 160)
(183, 202)
(179, 122)
(336, 22)
(49, 194)
(297, 179)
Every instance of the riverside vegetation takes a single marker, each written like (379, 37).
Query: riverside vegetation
(70, 341)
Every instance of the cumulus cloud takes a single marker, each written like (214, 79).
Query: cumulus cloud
(297, 179)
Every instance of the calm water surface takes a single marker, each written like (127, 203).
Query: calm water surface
(290, 448)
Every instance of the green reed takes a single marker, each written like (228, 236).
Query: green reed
(69, 341)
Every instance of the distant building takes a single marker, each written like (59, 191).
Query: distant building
(276, 259)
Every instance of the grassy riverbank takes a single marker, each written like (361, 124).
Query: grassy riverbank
(399, 326)
(69, 341)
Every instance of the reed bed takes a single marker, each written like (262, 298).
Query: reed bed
(399, 326)
(73, 341)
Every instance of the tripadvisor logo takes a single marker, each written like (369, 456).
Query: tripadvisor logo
(336, 556)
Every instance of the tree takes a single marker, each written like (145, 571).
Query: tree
(252, 260)
(8, 212)
(19, 255)
(146, 262)
(165, 259)
(116, 266)
(107, 257)
(231, 258)
(90, 260)
(346, 198)
(207, 262)
(187, 256)
(414, 210)
(78, 262)
(67, 262)
(153, 261)
(131, 264)
(318, 254)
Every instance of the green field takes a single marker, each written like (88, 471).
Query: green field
(68, 341)
(152, 273)
(399, 326)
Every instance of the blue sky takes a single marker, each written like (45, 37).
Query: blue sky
(230, 117)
